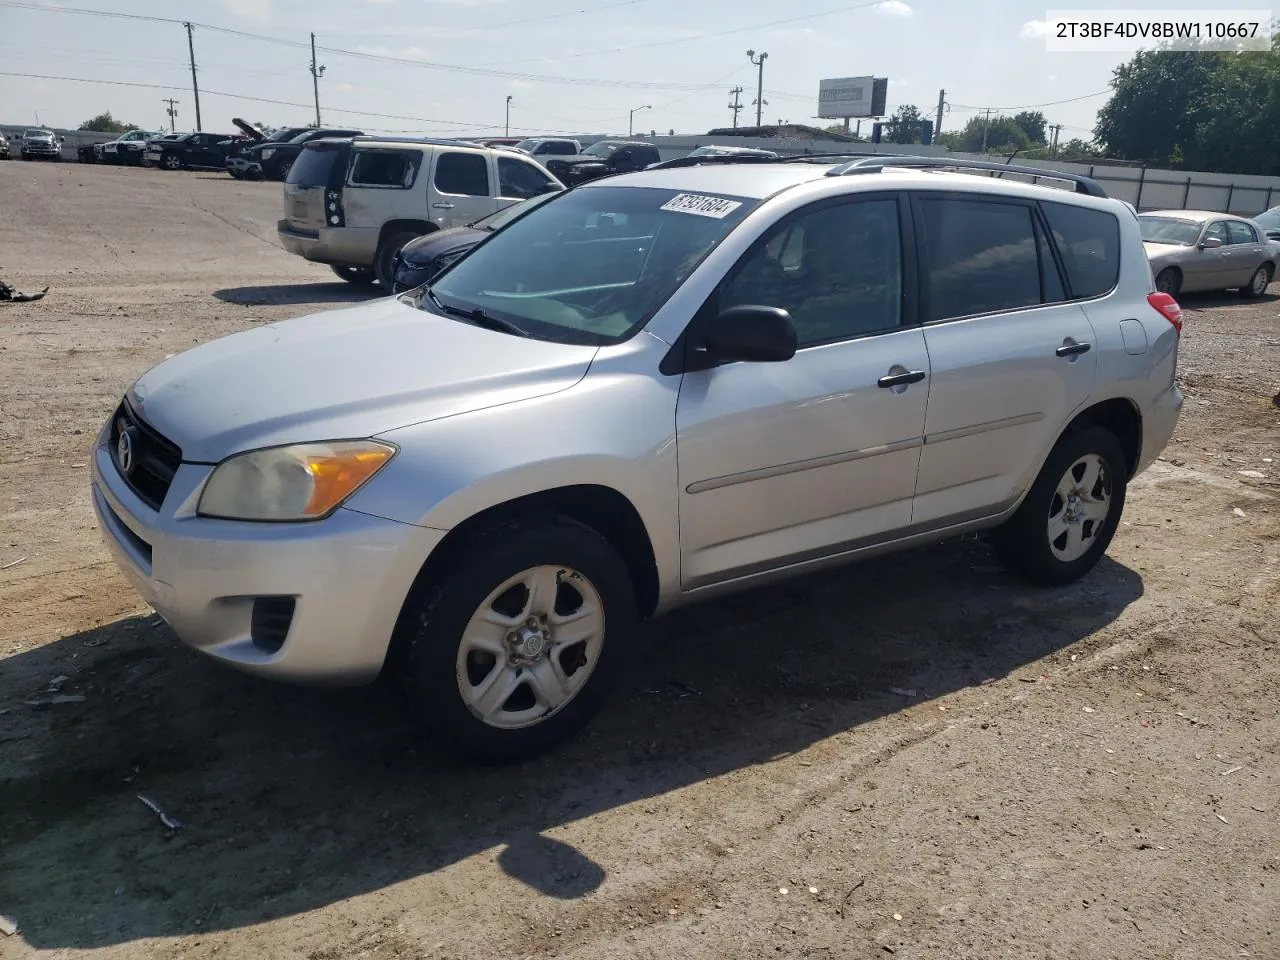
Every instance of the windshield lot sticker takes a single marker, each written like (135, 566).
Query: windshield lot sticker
(715, 207)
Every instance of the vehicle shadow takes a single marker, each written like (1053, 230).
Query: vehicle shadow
(293, 799)
(285, 294)
(1225, 298)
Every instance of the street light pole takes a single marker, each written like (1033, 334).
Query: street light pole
(507, 132)
(631, 121)
(760, 100)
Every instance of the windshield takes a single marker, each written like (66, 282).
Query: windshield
(1270, 220)
(604, 148)
(496, 221)
(38, 133)
(1183, 233)
(593, 266)
(527, 144)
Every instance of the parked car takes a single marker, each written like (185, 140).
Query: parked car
(1269, 222)
(544, 147)
(713, 150)
(157, 142)
(1197, 250)
(499, 142)
(39, 143)
(4, 147)
(658, 388)
(237, 163)
(420, 260)
(603, 159)
(273, 160)
(126, 148)
(191, 151)
(353, 204)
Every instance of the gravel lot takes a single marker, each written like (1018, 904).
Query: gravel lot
(917, 756)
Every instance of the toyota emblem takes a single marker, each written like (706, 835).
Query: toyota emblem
(124, 451)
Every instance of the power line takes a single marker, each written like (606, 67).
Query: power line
(1032, 106)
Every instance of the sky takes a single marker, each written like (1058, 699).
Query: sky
(568, 65)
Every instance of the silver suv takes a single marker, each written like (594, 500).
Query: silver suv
(652, 389)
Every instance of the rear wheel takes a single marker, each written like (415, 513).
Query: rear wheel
(521, 640)
(1169, 281)
(1258, 283)
(1066, 523)
(357, 276)
(384, 261)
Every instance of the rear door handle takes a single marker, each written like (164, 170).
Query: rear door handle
(1073, 349)
(901, 379)
(442, 206)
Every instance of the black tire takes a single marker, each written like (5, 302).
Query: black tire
(384, 260)
(282, 171)
(1169, 280)
(356, 276)
(426, 644)
(1258, 283)
(171, 161)
(1023, 543)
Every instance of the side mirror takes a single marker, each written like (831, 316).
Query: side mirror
(750, 334)
(1210, 243)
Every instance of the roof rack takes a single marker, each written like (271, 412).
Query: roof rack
(439, 141)
(1083, 184)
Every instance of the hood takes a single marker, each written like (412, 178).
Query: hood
(421, 252)
(1163, 249)
(250, 131)
(574, 160)
(40, 136)
(346, 373)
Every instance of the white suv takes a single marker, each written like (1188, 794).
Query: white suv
(354, 203)
(650, 389)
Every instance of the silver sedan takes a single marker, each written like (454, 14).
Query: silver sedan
(1197, 250)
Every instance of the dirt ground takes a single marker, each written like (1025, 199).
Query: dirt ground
(917, 757)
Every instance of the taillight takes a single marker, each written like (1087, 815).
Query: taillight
(1168, 308)
(334, 213)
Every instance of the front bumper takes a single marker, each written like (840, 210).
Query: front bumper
(348, 575)
(40, 150)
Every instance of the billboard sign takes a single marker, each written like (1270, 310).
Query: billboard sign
(852, 97)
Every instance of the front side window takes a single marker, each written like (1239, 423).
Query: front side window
(1241, 232)
(983, 257)
(519, 179)
(1089, 243)
(592, 266)
(392, 169)
(462, 174)
(1217, 231)
(837, 270)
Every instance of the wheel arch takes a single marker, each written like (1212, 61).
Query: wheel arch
(405, 225)
(1121, 417)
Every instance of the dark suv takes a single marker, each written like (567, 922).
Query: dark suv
(192, 150)
(272, 160)
(601, 160)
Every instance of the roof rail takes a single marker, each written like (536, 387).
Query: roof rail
(1083, 184)
(440, 141)
(782, 158)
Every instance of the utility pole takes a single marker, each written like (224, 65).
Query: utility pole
(736, 106)
(942, 105)
(195, 84)
(986, 125)
(1053, 144)
(316, 74)
(507, 129)
(760, 101)
(631, 122)
(172, 111)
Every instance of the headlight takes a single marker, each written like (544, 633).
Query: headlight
(268, 153)
(307, 481)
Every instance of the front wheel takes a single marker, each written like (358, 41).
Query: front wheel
(1258, 283)
(520, 641)
(384, 263)
(1169, 281)
(1068, 518)
(171, 161)
(357, 276)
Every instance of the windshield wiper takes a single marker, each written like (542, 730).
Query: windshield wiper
(477, 316)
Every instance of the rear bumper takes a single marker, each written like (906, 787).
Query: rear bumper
(341, 246)
(1158, 424)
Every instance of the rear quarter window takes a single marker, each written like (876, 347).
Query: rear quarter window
(320, 166)
(1089, 242)
(390, 169)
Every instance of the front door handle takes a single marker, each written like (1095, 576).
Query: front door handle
(901, 379)
(442, 206)
(1073, 349)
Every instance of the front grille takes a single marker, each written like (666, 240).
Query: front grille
(270, 622)
(153, 460)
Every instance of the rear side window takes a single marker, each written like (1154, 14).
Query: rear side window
(319, 166)
(519, 179)
(463, 174)
(395, 169)
(983, 257)
(1089, 242)
(1241, 232)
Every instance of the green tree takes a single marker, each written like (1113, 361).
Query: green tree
(105, 123)
(1033, 124)
(1002, 134)
(1077, 151)
(903, 126)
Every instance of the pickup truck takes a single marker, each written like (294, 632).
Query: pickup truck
(193, 150)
